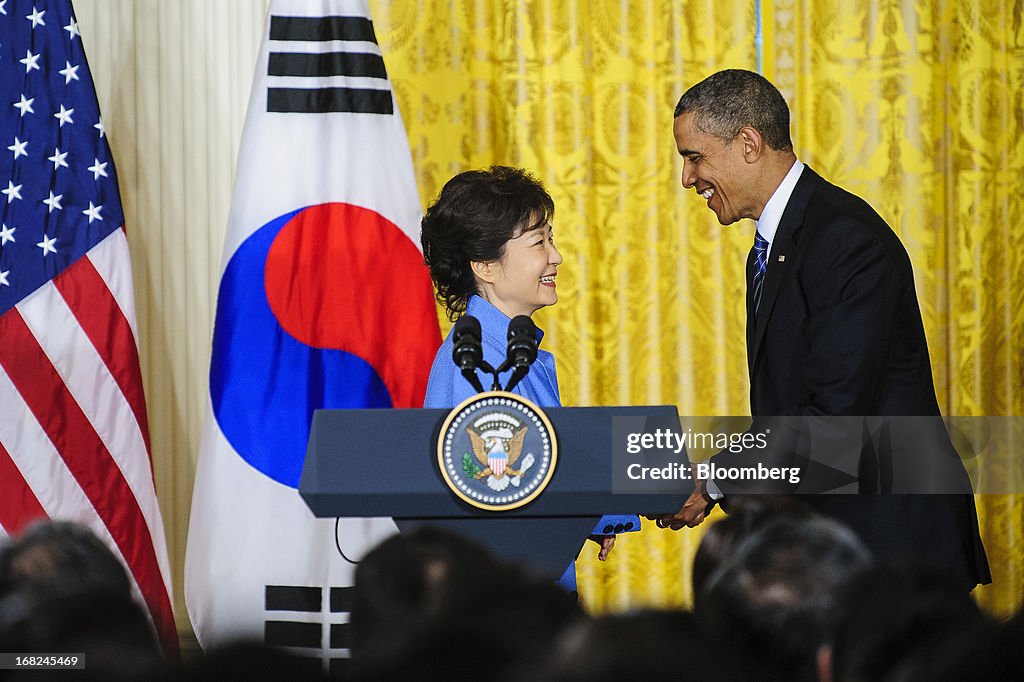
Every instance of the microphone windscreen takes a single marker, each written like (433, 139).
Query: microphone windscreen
(522, 325)
(522, 339)
(467, 351)
(467, 324)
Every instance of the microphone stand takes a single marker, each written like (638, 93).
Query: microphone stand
(517, 376)
(469, 372)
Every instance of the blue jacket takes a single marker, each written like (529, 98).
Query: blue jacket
(447, 387)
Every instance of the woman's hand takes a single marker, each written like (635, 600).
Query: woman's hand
(606, 542)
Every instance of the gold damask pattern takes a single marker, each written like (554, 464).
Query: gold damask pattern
(917, 107)
(895, 101)
(581, 93)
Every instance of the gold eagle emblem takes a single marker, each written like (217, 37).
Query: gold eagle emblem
(482, 447)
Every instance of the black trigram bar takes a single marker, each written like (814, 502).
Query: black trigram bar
(326, 64)
(285, 633)
(341, 599)
(322, 28)
(290, 598)
(341, 636)
(325, 100)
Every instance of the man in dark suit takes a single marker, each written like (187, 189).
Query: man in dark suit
(833, 325)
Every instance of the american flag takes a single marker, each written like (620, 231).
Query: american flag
(74, 440)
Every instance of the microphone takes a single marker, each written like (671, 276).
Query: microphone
(467, 353)
(467, 350)
(522, 348)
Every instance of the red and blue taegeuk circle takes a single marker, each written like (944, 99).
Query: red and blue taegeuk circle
(328, 306)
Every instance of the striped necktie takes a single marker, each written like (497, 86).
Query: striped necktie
(760, 265)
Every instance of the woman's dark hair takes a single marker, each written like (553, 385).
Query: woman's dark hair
(476, 214)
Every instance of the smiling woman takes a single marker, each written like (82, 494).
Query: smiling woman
(489, 234)
(522, 281)
(489, 244)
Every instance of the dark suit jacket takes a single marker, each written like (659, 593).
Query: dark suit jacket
(839, 332)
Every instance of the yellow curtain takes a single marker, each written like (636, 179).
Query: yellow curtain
(917, 106)
(651, 290)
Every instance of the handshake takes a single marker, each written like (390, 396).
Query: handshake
(693, 511)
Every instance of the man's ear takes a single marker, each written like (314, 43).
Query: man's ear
(483, 270)
(753, 143)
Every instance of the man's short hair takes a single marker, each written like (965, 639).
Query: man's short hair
(728, 100)
(747, 514)
(776, 594)
(60, 556)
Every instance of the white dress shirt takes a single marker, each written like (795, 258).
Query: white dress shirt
(767, 225)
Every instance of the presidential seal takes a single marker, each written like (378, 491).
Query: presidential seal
(497, 451)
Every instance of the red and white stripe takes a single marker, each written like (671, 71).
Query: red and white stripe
(74, 437)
